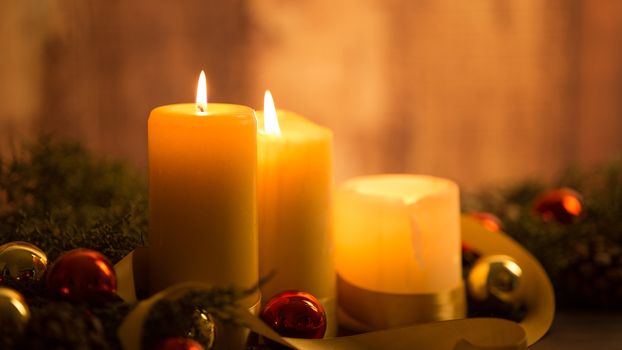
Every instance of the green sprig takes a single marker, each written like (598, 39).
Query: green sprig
(59, 197)
(583, 258)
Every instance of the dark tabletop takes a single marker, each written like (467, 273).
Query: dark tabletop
(583, 330)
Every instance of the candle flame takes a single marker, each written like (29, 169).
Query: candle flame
(271, 121)
(201, 100)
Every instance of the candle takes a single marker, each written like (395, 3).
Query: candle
(202, 199)
(397, 241)
(295, 180)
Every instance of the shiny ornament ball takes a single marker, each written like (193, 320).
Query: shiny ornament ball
(203, 329)
(21, 261)
(490, 221)
(179, 343)
(14, 312)
(295, 314)
(82, 275)
(495, 276)
(561, 205)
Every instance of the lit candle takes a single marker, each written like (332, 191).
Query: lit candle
(397, 240)
(202, 199)
(295, 181)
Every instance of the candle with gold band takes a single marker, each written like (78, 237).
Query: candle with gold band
(397, 250)
(295, 182)
(202, 194)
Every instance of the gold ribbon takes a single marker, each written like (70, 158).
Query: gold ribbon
(132, 275)
(364, 310)
(538, 291)
(465, 334)
(229, 336)
(330, 306)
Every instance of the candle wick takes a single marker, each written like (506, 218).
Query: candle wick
(200, 108)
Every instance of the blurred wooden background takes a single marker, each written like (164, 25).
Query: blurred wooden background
(481, 91)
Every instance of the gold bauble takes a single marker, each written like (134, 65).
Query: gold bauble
(496, 276)
(204, 329)
(191, 322)
(22, 262)
(14, 312)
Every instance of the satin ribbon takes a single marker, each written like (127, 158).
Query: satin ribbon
(229, 336)
(364, 310)
(464, 334)
(330, 306)
(537, 288)
(477, 333)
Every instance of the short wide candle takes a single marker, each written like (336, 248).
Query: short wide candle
(202, 195)
(398, 235)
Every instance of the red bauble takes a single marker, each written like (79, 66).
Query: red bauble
(82, 275)
(488, 220)
(179, 343)
(561, 205)
(295, 314)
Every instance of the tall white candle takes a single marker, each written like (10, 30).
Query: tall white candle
(295, 184)
(202, 195)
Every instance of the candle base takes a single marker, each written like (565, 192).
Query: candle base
(330, 306)
(365, 310)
